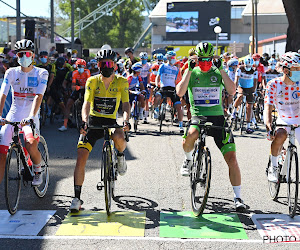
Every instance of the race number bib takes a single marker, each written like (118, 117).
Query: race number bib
(206, 96)
(104, 105)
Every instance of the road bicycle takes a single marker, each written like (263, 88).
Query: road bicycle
(109, 168)
(288, 171)
(200, 175)
(258, 108)
(19, 169)
(163, 110)
(77, 110)
(135, 109)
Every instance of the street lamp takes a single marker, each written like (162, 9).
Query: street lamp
(217, 30)
(78, 9)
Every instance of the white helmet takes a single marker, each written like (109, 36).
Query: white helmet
(143, 55)
(24, 44)
(290, 59)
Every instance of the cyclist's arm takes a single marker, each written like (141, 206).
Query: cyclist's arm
(182, 86)
(37, 101)
(126, 110)
(236, 81)
(229, 84)
(157, 80)
(268, 116)
(2, 102)
(85, 111)
(51, 78)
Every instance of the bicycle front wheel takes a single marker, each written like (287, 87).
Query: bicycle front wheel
(293, 182)
(12, 179)
(107, 168)
(77, 111)
(200, 179)
(43, 149)
(274, 186)
(162, 113)
(243, 114)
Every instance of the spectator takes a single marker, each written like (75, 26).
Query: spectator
(52, 51)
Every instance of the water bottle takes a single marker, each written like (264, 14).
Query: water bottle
(27, 156)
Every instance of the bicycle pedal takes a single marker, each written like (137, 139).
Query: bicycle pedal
(100, 186)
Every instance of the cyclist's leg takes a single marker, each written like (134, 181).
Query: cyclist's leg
(238, 100)
(6, 134)
(120, 145)
(177, 104)
(249, 107)
(74, 96)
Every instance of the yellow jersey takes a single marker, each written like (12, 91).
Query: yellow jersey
(105, 102)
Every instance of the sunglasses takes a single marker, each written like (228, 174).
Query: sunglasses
(204, 59)
(80, 66)
(43, 56)
(108, 64)
(26, 53)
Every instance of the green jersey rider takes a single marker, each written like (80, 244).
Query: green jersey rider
(204, 85)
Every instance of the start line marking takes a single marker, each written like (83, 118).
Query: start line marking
(122, 238)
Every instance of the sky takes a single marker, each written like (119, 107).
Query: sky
(39, 8)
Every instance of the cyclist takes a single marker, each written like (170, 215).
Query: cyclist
(272, 72)
(246, 81)
(226, 58)
(160, 59)
(28, 85)
(232, 65)
(79, 79)
(283, 92)
(101, 102)
(260, 70)
(204, 85)
(145, 74)
(136, 82)
(167, 75)
(93, 67)
(130, 60)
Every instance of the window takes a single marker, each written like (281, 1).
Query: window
(236, 12)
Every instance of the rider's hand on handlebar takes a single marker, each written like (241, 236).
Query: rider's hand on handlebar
(83, 128)
(126, 126)
(2, 121)
(26, 121)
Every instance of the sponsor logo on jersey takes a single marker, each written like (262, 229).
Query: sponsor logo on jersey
(296, 95)
(32, 82)
(214, 79)
(6, 81)
(17, 82)
(44, 81)
(113, 91)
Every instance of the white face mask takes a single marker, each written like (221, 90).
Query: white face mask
(256, 63)
(25, 61)
(155, 72)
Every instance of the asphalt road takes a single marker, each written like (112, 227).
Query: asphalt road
(152, 184)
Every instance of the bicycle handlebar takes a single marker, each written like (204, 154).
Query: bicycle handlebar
(110, 126)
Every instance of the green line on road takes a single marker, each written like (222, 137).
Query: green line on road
(214, 226)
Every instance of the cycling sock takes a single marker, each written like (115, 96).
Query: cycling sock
(234, 110)
(230, 106)
(65, 122)
(141, 110)
(37, 167)
(189, 155)
(248, 125)
(180, 124)
(237, 191)
(274, 160)
(156, 109)
(77, 190)
(146, 114)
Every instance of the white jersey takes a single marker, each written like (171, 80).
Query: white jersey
(24, 87)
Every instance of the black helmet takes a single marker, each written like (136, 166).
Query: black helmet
(43, 53)
(106, 54)
(129, 49)
(24, 44)
(60, 61)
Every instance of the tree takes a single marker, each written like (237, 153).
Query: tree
(292, 9)
(120, 28)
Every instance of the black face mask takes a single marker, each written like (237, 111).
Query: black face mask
(107, 72)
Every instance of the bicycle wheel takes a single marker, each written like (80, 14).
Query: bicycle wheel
(77, 114)
(12, 179)
(43, 149)
(274, 186)
(43, 115)
(200, 179)
(243, 118)
(162, 113)
(107, 168)
(172, 115)
(293, 182)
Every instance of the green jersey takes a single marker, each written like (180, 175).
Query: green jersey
(205, 92)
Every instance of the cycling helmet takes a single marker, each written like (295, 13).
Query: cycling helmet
(160, 57)
(248, 62)
(272, 61)
(165, 58)
(129, 49)
(226, 54)
(233, 62)
(93, 61)
(73, 60)
(81, 62)
(170, 53)
(43, 53)
(155, 56)
(60, 61)
(256, 56)
(155, 67)
(137, 67)
(290, 59)
(24, 44)
(205, 49)
(192, 52)
(143, 55)
(106, 54)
